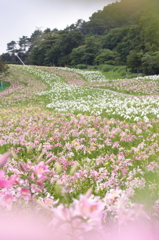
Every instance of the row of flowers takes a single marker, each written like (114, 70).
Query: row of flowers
(96, 76)
(135, 86)
(75, 98)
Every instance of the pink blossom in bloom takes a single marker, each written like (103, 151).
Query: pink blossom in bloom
(3, 182)
(40, 169)
(25, 193)
(7, 200)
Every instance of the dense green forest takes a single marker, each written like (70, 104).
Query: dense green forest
(123, 33)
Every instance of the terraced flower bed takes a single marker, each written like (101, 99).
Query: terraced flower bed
(22, 88)
(135, 86)
(86, 164)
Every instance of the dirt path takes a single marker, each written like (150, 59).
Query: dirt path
(117, 93)
(124, 94)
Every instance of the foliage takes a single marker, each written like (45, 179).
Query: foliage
(123, 33)
(106, 56)
(78, 55)
(4, 69)
(150, 63)
(134, 60)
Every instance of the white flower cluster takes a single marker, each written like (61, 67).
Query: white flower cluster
(151, 77)
(75, 98)
(96, 76)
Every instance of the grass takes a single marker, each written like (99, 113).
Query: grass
(113, 72)
(5, 85)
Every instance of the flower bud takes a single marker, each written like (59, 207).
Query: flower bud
(58, 189)
(14, 154)
(22, 168)
(88, 193)
(29, 149)
(40, 157)
(4, 158)
(40, 147)
(74, 169)
(58, 167)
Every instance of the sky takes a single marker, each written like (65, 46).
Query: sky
(22, 17)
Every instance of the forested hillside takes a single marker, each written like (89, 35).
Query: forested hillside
(123, 33)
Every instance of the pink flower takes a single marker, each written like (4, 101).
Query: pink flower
(25, 193)
(89, 207)
(7, 200)
(41, 180)
(151, 166)
(40, 169)
(4, 183)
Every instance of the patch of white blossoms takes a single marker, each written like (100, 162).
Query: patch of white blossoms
(75, 98)
(96, 76)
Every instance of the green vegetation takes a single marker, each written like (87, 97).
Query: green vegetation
(114, 72)
(124, 33)
(3, 69)
(110, 72)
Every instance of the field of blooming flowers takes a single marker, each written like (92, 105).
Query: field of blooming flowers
(79, 162)
(68, 92)
(135, 86)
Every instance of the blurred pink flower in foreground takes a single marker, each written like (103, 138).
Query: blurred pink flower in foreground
(25, 226)
(3, 182)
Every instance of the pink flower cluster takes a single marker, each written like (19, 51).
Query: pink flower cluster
(69, 77)
(84, 216)
(54, 158)
(22, 88)
(134, 86)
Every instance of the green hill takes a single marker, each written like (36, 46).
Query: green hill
(123, 33)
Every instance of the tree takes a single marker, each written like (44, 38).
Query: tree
(67, 41)
(51, 44)
(106, 56)
(11, 48)
(134, 61)
(5, 57)
(37, 56)
(24, 43)
(92, 47)
(114, 37)
(150, 63)
(35, 38)
(47, 30)
(4, 69)
(78, 55)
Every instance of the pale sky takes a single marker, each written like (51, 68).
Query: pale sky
(22, 17)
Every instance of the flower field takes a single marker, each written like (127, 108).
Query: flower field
(84, 160)
(136, 86)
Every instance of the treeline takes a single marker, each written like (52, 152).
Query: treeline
(123, 33)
